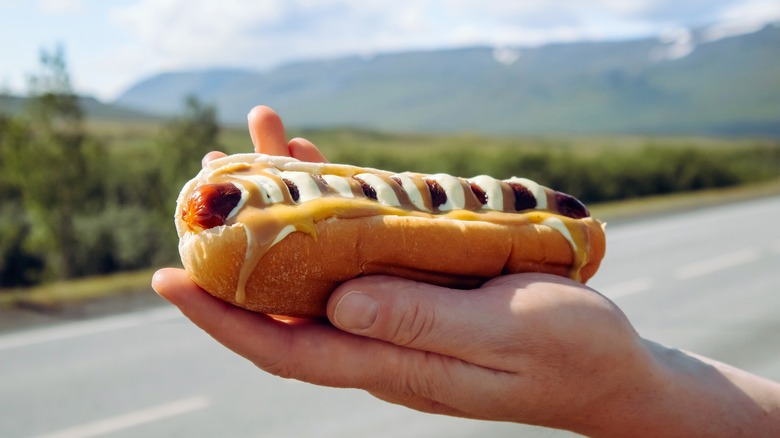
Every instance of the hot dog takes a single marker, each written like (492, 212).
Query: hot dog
(277, 235)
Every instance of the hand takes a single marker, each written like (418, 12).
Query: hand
(430, 348)
(268, 137)
(529, 348)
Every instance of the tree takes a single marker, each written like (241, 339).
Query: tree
(18, 265)
(71, 209)
(186, 139)
(58, 169)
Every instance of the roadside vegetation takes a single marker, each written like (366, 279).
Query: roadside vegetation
(74, 203)
(84, 198)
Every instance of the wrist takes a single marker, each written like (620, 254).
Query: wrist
(674, 393)
(637, 392)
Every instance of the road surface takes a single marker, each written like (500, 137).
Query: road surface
(706, 281)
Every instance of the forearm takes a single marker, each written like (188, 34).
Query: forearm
(682, 394)
(734, 402)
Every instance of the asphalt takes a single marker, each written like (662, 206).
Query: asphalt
(705, 281)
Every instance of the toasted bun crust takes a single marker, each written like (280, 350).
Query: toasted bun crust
(296, 276)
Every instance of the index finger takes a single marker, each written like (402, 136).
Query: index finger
(267, 131)
(311, 351)
(316, 352)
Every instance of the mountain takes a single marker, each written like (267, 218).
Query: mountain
(93, 109)
(691, 82)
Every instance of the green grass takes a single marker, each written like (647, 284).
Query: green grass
(668, 204)
(346, 141)
(72, 291)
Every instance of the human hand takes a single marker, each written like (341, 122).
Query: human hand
(268, 137)
(529, 348)
(526, 348)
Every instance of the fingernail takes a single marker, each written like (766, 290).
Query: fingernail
(356, 311)
(157, 279)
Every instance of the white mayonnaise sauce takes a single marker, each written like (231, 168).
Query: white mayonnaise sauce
(412, 190)
(534, 188)
(456, 199)
(283, 233)
(384, 193)
(241, 202)
(558, 225)
(304, 182)
(492, 189)
(269, 188)
(340, 185)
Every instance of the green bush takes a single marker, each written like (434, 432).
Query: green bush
(604, 174)
(72, 207)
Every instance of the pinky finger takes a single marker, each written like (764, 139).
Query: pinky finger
(305, 150)
(420, 404)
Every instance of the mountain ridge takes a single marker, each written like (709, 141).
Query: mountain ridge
(688, 83)
(93, 109)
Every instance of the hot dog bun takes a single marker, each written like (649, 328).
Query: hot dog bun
(285, 256)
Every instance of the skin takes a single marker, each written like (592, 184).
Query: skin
(527, 348)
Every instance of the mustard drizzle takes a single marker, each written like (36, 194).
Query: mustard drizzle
(265, 224)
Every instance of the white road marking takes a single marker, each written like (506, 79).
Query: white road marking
(76, 329)
(719, 263)
(626, 288)
(132, 419)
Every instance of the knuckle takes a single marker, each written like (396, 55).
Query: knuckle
(276, 366)
(415, 325)
(426, 376)
(278, 361)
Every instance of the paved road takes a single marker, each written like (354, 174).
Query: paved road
(708, 281)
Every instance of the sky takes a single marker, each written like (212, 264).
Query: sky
(110, 45)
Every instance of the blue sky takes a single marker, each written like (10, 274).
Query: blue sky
(110, 45)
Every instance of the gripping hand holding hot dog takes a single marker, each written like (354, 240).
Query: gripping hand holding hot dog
(529, 348)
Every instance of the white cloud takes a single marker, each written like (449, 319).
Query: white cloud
(264, 33)
(753, 11)
(180, 33)
(745, 18)
(197, 32)
(742, 18)
(60, 7)
(676, 43)
(506, 56)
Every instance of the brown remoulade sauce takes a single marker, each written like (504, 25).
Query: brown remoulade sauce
(271, 200)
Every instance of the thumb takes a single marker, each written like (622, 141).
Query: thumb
(417, 315)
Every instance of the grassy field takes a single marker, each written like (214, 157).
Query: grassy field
(74, 291)
(593, 168)
(337, 142)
